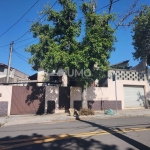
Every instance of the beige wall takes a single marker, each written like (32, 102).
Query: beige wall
(6, 92)
(75, 94)
(93, 93)
(52, 93)
(40, 77)
(107, 93)
(120, 90)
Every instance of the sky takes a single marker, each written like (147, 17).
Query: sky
(13, 10)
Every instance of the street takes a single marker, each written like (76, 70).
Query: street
(106, 134)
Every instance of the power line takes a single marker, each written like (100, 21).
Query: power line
(106, 6)
(26, 44)
(102, 8)
(19, 19)
(37, 21)
(16, 42)
(4, 45)
(24, 40)
(44, 16)
(20, 56)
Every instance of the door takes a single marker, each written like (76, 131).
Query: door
(134, 96)
(64, 98)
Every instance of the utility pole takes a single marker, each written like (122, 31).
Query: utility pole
(114, 79)
(9, 61)
(116, 94)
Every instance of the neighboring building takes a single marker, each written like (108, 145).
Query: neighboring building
(52, 79)
(140, 67)
(121, 65)
(15, 75)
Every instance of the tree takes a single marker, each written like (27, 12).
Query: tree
(57, 40)
(141, 36)
(60, 47)
(97, 44)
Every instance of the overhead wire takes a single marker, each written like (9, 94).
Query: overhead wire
(20, 56)
(102, 7)
(37, 21)
(45, 15)
(17, 42)
(80, 18)
(19, 19)
(24, 40)
(4, 45)
(26, 44)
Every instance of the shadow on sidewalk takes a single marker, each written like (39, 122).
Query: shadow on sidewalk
(126, 139)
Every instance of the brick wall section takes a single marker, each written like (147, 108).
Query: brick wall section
(95, 105)
(111, 105)
(3, 108)
(103, 105)
(99, 105)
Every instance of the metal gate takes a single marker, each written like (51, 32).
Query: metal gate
(134, 96)
(64, 98)
(27, 100)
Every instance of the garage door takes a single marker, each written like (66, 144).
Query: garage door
(133, 96)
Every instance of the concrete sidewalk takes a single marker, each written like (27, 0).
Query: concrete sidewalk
(63, 117)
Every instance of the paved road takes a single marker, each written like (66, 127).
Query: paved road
(110, 134)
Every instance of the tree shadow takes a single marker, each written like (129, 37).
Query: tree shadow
(36, 98)
(27, 100)
(148, 99)
(24, 142)
(51, 99)
(113, 132)
(144, 100)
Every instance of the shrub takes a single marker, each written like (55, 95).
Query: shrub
(86, 111)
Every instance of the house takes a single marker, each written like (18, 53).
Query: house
(127, 91)
(15, 75)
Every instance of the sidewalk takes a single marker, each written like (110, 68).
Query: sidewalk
(63, 117)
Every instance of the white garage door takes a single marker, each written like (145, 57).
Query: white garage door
(133, 96)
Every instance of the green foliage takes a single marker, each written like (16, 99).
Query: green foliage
(58, 46)
(141, 34)
(86, 111)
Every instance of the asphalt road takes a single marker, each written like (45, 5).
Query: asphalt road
(109, 134)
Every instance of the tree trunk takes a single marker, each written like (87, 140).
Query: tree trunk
(84, 97)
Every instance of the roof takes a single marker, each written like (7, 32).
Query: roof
(1, 64)
(33, 77)
(123, 62)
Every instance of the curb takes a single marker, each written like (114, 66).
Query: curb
(76, 119)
